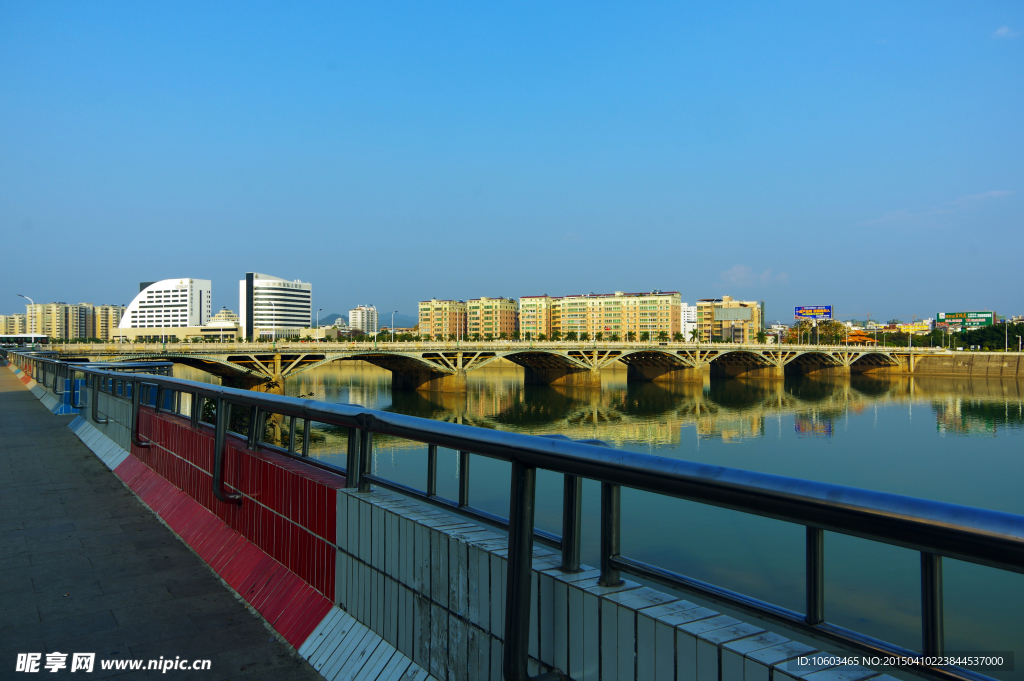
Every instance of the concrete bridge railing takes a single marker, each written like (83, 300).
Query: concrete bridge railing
(362, 574)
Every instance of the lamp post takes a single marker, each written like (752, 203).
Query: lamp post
(33, 317)
(393, 326)
(1018, 343)
(318, 317)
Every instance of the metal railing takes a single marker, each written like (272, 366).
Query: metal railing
(934, 529)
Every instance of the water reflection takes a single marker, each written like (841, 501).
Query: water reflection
(650, 414)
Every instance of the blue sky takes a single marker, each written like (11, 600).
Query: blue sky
(866, 155)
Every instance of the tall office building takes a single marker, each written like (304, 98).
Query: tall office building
(169, 303)
(363, 318)
(273, 304)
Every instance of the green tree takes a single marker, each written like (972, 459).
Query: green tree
(571, 336)
(541, 337)
(694, 336)
(584, 336)
(515, 335)
(556, 335)
(761, 337)
(503, 336)
(645, 336)
(615, 338)
(677, 337)
(663, 336)
(599, 336)
(630, 336)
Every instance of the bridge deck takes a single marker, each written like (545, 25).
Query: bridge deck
(86, 567)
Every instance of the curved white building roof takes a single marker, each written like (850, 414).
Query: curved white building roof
(169, 303)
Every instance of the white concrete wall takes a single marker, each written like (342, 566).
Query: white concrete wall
(433, 586)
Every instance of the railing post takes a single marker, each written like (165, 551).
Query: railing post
(255, 413)
(520, 564)
(96, 382)
(610, 536)
(159, 404)
(305, 437)
(431, 470)
(352, 459)
(815, 579)
(365, 459)
(463, 479)
(219, 439)
(136, 408)
(572, 522)
(932, 626)
(195, 410)
(291, 435)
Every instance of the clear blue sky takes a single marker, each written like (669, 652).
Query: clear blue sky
(862, 154)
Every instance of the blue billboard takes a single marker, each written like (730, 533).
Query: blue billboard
(814, 312)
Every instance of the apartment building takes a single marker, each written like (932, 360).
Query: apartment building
(11, 324)
(106, 319)
(687, 320)
(364, 319)
(610, 314)
(725, 319)
(492, 317)
(535, 315)
(443, 318)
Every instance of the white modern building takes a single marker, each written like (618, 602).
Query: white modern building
(363, 318)
(273, 305)
(687, 320)
(168, 304)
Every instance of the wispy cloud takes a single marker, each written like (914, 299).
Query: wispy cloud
(907, 216)
(1004, 32)
(741, 275)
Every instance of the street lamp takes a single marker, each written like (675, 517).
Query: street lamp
(393, 326)
(33, 316)
(318, 317)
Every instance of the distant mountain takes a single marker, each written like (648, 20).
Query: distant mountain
(329, 319)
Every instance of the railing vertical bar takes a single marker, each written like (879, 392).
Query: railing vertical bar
(254, 422)
(136, 409)
(159, 405)
(220, 432)
(195, 409)
(932, 625)
(352, 459)
(431, 470)
(572, 522)
(518, 586)
(365, 459)
(610, 532)
(463, 479)
(291, 435)
(305, 437)
(815, 576)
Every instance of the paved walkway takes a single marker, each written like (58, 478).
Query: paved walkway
(86, 567)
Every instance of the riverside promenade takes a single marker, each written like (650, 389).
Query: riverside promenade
(85, 567)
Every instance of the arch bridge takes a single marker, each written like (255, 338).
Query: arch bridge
(443, 366)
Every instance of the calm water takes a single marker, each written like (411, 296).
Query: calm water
(955, 440)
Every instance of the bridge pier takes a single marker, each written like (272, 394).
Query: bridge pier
(590, 378)
(663, 374)
(430, 381)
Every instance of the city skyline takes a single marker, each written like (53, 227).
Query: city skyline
(866, 158)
